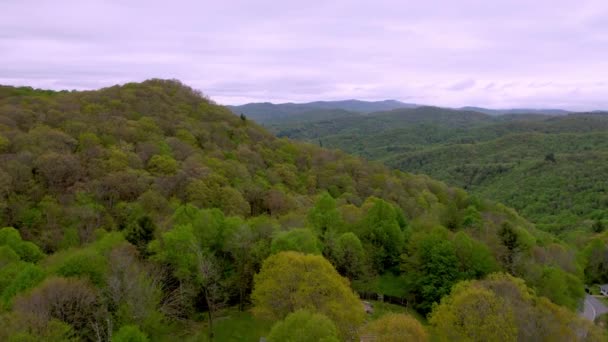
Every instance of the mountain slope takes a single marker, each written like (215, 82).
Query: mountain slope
(488, 155)
(145, 206)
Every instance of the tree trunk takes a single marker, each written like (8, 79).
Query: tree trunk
(209, 313)
(241, 298)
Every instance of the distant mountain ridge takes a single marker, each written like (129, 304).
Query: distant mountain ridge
(267, 112)
(547, 164)
(362, 106)
(517, 111)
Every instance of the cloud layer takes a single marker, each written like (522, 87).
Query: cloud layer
(512, 53)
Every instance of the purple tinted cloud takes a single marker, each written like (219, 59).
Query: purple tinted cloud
(462, 85)
(545, 53)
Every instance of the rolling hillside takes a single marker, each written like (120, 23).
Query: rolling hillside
(147, 211)
(550, 168)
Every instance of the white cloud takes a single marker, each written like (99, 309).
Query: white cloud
(470, 52)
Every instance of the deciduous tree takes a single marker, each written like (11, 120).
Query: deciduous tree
(290, 281)
(129, 333)
(300, 240)
(304, 326)
(349, 256)
(473, 314)
(394, 327)
(72, 301)
(324, 215)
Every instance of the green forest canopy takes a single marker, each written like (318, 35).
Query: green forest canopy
(142, 209)
(551, 169)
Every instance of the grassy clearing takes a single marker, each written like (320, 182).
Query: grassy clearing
(392, 285)
(233, 325)
(387, 284)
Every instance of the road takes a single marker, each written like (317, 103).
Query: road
(593, 308)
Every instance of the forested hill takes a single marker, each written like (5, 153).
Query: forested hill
(280, 113)
(145, 211)
(550, 168)
(266, 112)
(374, 125)
(517, 111)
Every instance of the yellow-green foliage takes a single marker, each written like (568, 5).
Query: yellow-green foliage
(26, 250)
(165, 205)
(163, 165)
(304, 326)
(474, 314)
(4, 143)
(290, 281)
(394, 327)
(130, 333)
(503, 308)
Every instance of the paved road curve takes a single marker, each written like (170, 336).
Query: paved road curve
(593, 308)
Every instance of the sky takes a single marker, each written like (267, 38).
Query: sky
(496, 54)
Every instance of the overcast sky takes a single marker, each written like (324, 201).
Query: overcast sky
(512, 53)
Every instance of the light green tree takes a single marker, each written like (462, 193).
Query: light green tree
(289, 281)
(162, 165)
(324, 215)
(304, 326)
(182, 249)
(394, 327)
(299, 240)
(474, 258)
(473, 314)
(129, 333)
(348, 255)
(380, 228)
(26, 250)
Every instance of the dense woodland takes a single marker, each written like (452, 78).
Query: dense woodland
(551, 169)
(146, 212)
